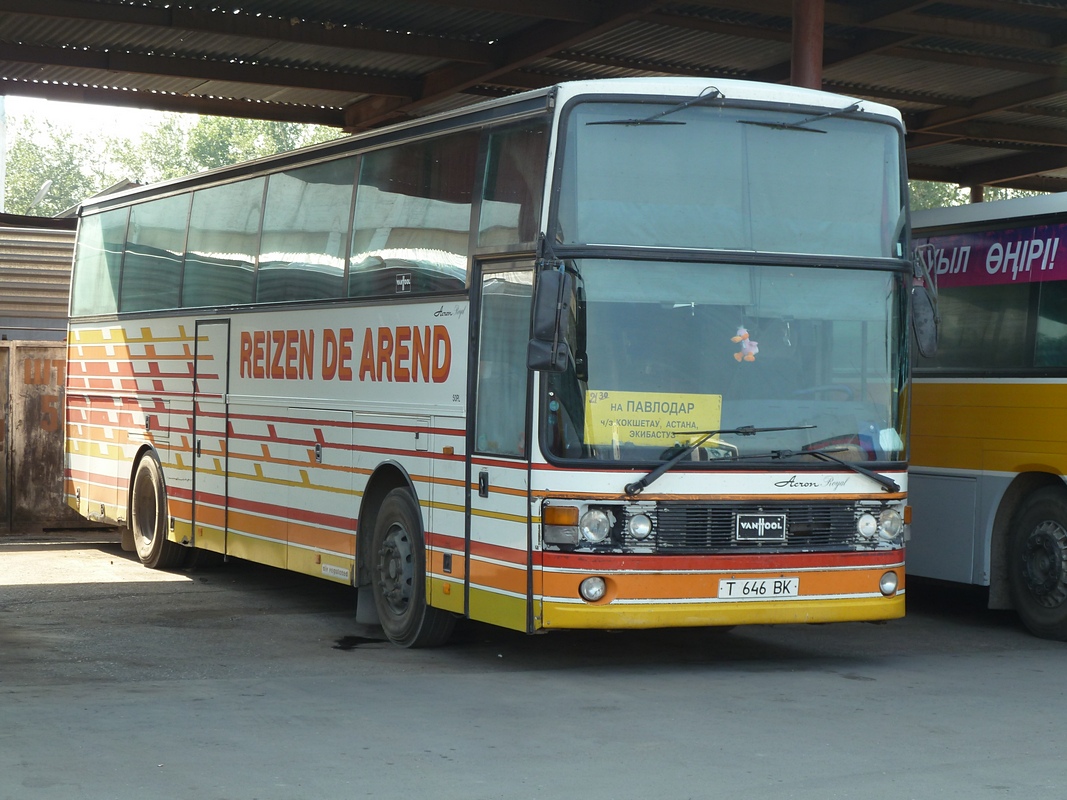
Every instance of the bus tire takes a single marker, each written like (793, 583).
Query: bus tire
(148, 518)
(398, 576)
(1037, 562)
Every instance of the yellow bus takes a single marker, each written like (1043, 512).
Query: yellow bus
(612, 354)
(989, 431)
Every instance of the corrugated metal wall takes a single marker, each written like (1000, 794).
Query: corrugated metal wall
(34, 282)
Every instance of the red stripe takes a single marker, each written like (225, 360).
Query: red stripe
(97, 478)
(271, 509)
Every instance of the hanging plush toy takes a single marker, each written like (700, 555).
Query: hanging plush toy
(748, 349)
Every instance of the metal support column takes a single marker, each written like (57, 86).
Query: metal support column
(808, 19)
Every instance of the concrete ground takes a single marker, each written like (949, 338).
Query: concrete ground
(240, 681)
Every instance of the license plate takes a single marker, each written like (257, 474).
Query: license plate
(760, 528)
(758, 588)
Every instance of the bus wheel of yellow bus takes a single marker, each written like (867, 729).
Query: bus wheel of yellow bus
(398, 554)
(1038, 562)
(148, 518)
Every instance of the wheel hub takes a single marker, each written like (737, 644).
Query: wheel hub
(1045, 565)
(144, 509)
(396, 569)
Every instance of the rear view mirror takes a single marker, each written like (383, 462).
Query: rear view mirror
(924, 314)
(924, 321)
(548, 352)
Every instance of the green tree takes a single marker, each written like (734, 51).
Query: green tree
(160, 152)
(39, 152)
(78, 167)
(178, 146)
(933, 194)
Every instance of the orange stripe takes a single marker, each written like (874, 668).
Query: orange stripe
(498, 576)
(667, 586)
(437, 566)
(321, 538)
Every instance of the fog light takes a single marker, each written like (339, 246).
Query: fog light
(887, 584)
(595, 525)
(593, 589)
(867, 526)
(640, 526)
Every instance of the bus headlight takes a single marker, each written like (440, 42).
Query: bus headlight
(640, 526)
(890, 525)
(867, 526)
(595, 525)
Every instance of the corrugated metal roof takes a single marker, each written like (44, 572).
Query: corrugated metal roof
(964, 72)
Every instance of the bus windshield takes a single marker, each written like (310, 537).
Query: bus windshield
(665, 350)
(745, 179)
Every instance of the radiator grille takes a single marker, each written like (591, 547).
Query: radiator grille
(710, 527)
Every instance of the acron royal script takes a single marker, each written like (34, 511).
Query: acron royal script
(403, 354)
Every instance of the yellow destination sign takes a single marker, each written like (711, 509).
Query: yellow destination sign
(648, 418)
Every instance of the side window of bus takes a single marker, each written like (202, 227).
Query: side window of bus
(500, 421)
(982, 327)
(305, 232)
(221, 254)
(413, 218)
(98, 262)
(1051, 346)
(151, 271)
(514, 185)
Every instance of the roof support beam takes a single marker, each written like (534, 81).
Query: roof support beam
(1008, 98)
(563, 10)
(1012, 169)
(808, 23)
(165, 101)
(203, 70)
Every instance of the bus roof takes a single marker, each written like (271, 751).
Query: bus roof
(994, 211)
(731, 88)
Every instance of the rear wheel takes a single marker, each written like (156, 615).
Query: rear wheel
(148, 518)
(398, 568)
(1038, 563)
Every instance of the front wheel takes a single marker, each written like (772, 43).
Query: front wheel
(398, 567)
(1038, 563)
(148, 518)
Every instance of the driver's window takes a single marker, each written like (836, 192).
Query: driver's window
(500, 417)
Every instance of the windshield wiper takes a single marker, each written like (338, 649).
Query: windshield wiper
(884, 481)
(800, 123)
(711, 93)
(635, 488)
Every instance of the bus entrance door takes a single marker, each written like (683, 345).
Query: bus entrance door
(499, 570)
(210, 385)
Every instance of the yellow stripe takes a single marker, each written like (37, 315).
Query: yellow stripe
(446, 594)
(250, 548)
(498, 515)
(498, 609)
(772, 612)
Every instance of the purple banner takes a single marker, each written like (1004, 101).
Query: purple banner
(984, 258)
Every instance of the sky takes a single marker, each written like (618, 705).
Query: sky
(84, 118)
